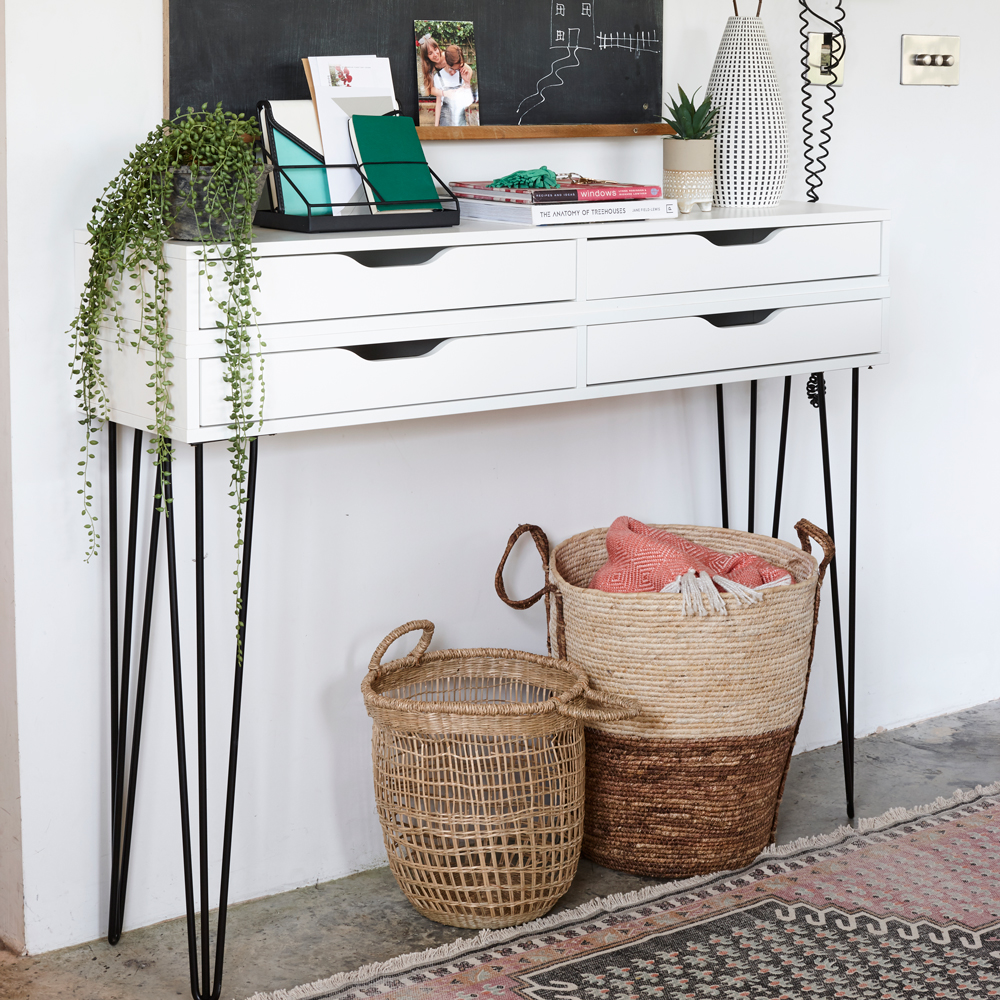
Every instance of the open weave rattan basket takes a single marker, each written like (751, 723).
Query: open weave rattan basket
(692, 783)
(479, 776)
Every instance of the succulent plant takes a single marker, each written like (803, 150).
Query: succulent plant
(689, 121)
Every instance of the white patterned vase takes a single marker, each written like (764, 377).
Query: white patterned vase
(751, 143)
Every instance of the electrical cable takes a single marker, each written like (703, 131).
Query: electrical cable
(817, 139)
(817, 143)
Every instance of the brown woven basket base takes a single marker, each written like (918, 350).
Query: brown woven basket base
(673, 808)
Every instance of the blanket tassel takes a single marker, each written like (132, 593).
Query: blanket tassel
(742, 593)
(696, 588)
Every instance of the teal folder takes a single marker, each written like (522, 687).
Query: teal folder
(289, 150)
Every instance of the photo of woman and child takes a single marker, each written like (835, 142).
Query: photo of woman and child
(447, 83)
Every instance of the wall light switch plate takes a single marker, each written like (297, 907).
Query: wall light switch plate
(930, 60)
(826, 58)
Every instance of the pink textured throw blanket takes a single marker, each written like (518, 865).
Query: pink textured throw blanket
(642, 559)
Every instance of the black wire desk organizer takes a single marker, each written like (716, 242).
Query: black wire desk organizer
(317, 221)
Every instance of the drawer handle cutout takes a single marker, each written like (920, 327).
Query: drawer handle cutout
(395, 349)
(724, 238)
(403, 257)
(737, 237)
(750, 317)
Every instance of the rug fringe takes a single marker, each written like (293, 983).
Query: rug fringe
(606, 904)
(485, 938)
(874, 824)
(900, 815)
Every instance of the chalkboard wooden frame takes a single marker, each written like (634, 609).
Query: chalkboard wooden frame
(643, 122)
(429, 132)
(166, 59)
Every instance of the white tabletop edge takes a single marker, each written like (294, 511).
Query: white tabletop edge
(277, 242)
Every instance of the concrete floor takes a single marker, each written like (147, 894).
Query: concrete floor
(297, 937)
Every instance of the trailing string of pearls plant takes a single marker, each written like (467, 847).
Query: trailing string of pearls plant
(195, 177)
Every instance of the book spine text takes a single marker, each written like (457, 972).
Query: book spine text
(633, 193)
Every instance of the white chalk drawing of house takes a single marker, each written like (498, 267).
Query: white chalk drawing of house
(572, 16)
(572, 30)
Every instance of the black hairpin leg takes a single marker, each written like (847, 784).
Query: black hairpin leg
(847, 742)
(720, 410)
(113, 602)
(852, 577)
(234, 737)
(121, 668)
(209, 988)
(199, 591)
(782, 441)
(752, 494)
(140, 696)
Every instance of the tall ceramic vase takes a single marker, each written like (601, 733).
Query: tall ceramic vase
(751, 143)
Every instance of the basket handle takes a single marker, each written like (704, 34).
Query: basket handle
(613, 707)
(418, 650)
(807, 529)
(542, 544)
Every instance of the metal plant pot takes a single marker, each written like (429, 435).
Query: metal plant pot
(193, 221)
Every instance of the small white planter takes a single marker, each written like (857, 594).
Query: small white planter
(751, 144)
(688, 172)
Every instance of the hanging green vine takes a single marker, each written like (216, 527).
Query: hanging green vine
(194, 177)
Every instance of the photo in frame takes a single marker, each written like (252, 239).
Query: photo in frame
(447, 76)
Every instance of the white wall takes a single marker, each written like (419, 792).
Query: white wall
(929, 431)
(11, 889)
(68, 130)
(363, 528)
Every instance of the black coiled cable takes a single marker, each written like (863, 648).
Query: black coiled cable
(815, 387)
(817, 140)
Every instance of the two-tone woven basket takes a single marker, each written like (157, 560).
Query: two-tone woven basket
(693, 783)
(479, 776)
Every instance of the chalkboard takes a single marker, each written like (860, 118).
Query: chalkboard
(604, 68)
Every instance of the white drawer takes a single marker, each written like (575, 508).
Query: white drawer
(336, 379)
(653, 265)
(622, 352)
(379, 282)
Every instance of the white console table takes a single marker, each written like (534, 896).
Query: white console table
(535, 315)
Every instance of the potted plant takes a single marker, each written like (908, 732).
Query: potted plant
(689, 156)
(197, 177)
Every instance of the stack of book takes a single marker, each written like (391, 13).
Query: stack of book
(574, 200)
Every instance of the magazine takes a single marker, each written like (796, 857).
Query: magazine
(553, 215)
(342, 86)
(572, 188)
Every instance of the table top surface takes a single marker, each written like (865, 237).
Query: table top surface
(280, 242)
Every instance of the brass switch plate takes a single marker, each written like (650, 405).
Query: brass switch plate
(940, 50)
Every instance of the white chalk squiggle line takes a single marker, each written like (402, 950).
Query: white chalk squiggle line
(553, 72)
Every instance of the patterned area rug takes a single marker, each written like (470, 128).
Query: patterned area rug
(908, 905)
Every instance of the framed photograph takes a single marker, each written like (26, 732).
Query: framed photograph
(447, 79)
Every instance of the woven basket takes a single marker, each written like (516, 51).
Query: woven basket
(479, 776)
(692, 784)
